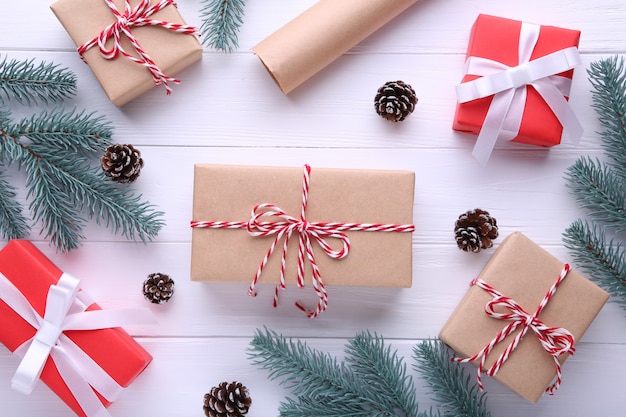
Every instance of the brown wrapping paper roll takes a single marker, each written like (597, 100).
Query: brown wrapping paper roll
(321, 34)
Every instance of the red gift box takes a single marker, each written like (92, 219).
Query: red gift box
(498, 40)
(113, 349)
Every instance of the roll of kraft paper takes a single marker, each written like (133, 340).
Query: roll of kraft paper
(321, 34)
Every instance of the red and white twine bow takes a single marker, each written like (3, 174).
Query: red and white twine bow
(285, 225)
(139, 16)
(554, 340)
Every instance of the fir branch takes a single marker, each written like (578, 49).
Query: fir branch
(608, 78)
(599, 190)
(322, 407)
(383, 372)
(62, 189)
(604, 261)
(372, 382)
(221, 22)
(52, 206)
(453, 388)
(66, 131)
(13, 223)
(28, 83)
(305, 371)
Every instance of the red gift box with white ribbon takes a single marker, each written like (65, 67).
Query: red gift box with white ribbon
(61, 336)
(516, 85)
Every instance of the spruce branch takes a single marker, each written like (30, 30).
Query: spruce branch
(221, 20)
(599, 190)
(600, 186)
(453, 388)
(382, 371)
(603, 259)
(13, 223)
(307, 372)
(57, 130)
(65, 192)
(608, 79)
(30, 83)
(371, 382)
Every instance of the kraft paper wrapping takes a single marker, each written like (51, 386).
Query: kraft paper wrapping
(321, 34)
(523, 271)
(122, 79)
(229, 193)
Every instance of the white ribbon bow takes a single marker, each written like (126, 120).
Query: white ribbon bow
(65, 310)
(508, 86)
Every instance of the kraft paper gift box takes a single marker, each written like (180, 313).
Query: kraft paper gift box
(122, 79)
(113, 349)
(229, 193)
(503, 41)
(523, 271)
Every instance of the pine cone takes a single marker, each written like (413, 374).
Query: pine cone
(395, 100)
(158, 288)
(475, 230)
(227, 400)
(122, 163)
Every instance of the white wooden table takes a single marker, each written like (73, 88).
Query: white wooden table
(228, 110)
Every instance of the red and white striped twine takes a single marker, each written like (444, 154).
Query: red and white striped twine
(285, 225)
(554, 340)
(139, 16)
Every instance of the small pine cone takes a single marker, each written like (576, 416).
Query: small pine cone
(227, 400)
(158, 288)
(395, 100)
(122, 163)
(475, 230)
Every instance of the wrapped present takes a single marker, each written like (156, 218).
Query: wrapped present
(522, 316)
(516, 84)
(61, 336)
(352, 227)
(321, 34)
(130, 45)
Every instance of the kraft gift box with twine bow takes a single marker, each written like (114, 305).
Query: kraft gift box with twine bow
(355, 225)
(523, 288)
(516, 85)
(59, 335)
(130, 45)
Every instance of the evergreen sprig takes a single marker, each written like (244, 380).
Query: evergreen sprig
(608, 78)
(56, 149)
(600, 186)
(453, 387)
(221, 20)
(599, 190)
(603, 258)
(13, 223)
(382, 371)
(29, 83)
(371, 381)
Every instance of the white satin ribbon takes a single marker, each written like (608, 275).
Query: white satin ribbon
(508, 85)
(66, 310)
